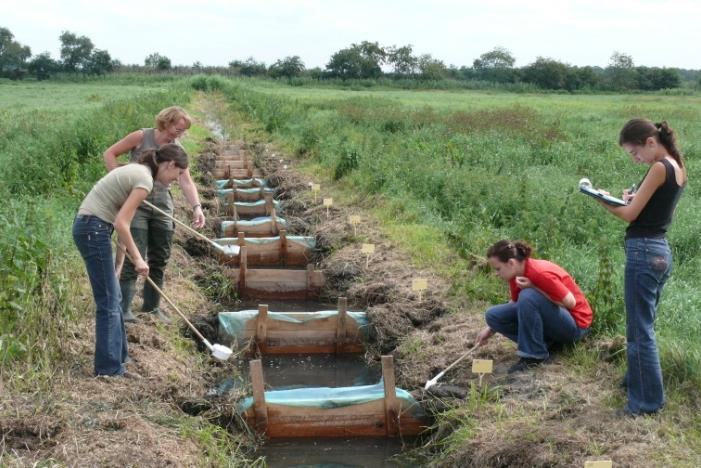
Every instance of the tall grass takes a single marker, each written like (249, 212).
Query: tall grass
(51, 155)
(480, 167)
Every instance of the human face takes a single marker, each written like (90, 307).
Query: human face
(504, 270)
(168, 172)
(642, 154)
(177, 129)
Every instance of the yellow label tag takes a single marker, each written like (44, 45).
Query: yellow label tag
(598, 464)
(316, 187)
(354, 219)
(368, 248)
(328, 201)
(419, 284)
(482, 366)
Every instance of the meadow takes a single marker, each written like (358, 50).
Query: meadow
(467, 168)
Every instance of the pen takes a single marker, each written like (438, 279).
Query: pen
(631, 191)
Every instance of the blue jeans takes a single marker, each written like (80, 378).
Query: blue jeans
(93, 237)
(533, 322)
(648, 265)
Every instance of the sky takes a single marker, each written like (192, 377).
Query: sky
(214, 32)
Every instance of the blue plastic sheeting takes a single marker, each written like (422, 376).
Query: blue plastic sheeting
(276, 204)
(242, 182)
(223, 193)
(328, 397)
(234, 323)
(307, 241)
(253, 222)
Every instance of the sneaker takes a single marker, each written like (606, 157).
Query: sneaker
(158, 313)
(129, 316)
(525, 363)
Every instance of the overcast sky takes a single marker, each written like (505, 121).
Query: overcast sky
(214, 32)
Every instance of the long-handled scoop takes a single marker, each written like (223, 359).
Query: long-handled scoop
(433, 381)
(230, 250)
(220, 352)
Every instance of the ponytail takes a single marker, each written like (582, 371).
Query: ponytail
(637, 131)
(505, 250)
(170, 152)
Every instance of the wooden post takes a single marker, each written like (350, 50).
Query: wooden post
(262, 327)
(283, 247)
(341, 324)
(268, 197)
(241, 239)
(273, 219)
(310, 272)
(243, 264)
(391, 402)
(260, 409)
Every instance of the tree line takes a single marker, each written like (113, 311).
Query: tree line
(366, 60)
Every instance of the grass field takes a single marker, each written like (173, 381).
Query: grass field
(452, 172)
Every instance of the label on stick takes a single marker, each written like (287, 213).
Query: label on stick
(419, 284)
(598, 464)
(328, 201)
(482, 366)
(354, 219)
(316, 187)
(368, 249)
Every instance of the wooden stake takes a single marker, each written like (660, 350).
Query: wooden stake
(341, 324)
(262, 327)
(283, 247)
(243, 264)
(259, 406)
(391, 402)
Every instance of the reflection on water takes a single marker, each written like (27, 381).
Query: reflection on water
(318, 370)
(330, 452)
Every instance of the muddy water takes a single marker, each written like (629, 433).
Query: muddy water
(331, 452)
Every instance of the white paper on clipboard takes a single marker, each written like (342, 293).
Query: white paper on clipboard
(608, 199)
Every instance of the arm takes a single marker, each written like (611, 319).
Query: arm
(483, 336)
(121, 225)
(568, 301)
(653, 180)
(190, 192)
(124, 145)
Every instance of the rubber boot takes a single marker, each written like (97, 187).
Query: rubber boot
(128, 288)
(158, 313)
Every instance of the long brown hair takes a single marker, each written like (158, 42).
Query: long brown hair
(637, 131)
(169, 152)
(504, 250)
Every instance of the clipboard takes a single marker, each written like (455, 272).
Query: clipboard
(608, 199)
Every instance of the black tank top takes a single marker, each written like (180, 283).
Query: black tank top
(656, 216)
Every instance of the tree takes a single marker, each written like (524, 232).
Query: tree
(402, 60)
(13, 56)
(98, 63)
(288, 67)
(156, 61)
(75, 51)
(546, 73)
(657, 78)
(250, 67)
(621, 71)
(431, 68)
(495, 65)
(42, 66)
(362, 60)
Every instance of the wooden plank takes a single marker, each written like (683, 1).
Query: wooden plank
(268, 197)
(283, 247)
(341, 324)
(391, 403)
(262, 327)
(242, 268)
(259, 407)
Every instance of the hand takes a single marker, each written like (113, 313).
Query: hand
(523, 282)
(628, 196)
(483, 336)
(197, 217)
(141, 267)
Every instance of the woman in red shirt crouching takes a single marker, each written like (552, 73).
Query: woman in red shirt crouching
(547, 307)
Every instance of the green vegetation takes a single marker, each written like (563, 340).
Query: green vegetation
(474, 167)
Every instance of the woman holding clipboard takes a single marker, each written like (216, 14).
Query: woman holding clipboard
(648, 256)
